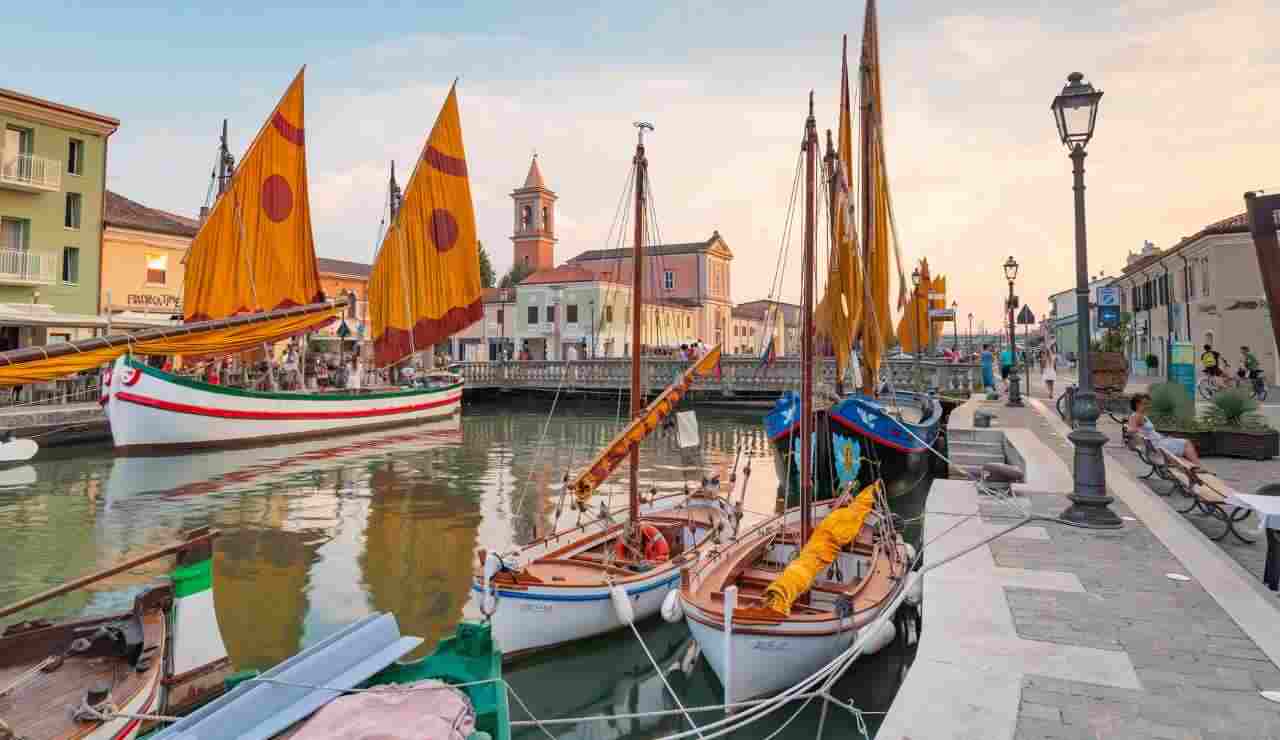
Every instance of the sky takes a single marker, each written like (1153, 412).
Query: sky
(977, 173)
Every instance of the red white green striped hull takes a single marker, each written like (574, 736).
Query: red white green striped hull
(152, 410)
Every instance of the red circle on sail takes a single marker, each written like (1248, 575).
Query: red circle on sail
(277, 198)
(444, 229)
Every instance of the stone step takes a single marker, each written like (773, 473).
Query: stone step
(976, 460)
(995, 448)
(975, 435)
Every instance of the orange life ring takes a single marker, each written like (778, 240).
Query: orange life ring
(656, 549)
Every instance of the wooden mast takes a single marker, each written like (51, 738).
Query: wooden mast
(806, 336)
(831, 162)
(870, 321)
(637, 274)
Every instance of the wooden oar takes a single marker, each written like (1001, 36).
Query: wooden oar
(194, 537)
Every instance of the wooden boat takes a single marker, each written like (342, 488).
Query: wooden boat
(93, 677)
(786, 598)
(251, 279)
(564, 586)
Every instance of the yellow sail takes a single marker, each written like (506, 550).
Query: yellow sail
(837, 529)
(939, 289)
(213, 340)
(915, 318)
(425, 283)
(255, 252)
(839, 313)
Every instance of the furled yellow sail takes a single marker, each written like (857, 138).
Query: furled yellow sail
(836, 530)
(840, 312)
(634, 433)
(939, 289)
(915, 318)
(216, 340)
(255, 252)
(425, 283)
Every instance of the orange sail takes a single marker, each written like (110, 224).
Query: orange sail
(425, 283)
(255, 252)
(915, 319)
(939, 289)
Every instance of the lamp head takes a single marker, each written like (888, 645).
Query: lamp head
(1011, 269)
(1075, 111)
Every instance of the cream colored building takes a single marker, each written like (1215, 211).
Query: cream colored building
(142, 252)
(1206, 289)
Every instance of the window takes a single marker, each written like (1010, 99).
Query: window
(16, 147)
(1204, 276)
(533, 314)
(500, 317)
(59, 337)
(669, 280)
(15, 234)
(526, 260)
(608, 314)
(526, 216)
(72, 220)
(1191, 282)
(157, 268)
(551, 314)
(75, 157)
(571, 313)
(71, 265)
(546, 219)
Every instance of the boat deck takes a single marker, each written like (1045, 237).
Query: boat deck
(41, 707)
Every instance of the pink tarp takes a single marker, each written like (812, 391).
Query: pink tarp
(427, 710)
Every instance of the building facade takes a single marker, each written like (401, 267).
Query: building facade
(53, 164)
(1063, 318)
(779, 320)
(533, 237)
(1205, 289)
(494, 337)
(142, 258)
(568, 307)
(339, 279)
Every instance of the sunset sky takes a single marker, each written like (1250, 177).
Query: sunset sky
(977, 172)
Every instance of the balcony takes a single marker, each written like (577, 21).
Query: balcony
(29, 173)
(21, 267)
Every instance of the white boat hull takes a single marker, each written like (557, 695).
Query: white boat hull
(535, 617)
(149, 409)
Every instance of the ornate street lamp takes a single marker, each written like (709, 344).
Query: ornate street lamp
(1075, 111)
(970, 340)
(1015, 388)
(915, 320)
(955, 327)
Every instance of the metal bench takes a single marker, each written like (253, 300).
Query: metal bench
(1209, 494)
(1153, 457)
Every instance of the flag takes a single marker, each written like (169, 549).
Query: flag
(768, 356)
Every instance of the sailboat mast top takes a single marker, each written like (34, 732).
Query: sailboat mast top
(637, 299)
(226, 162)
(806, 336)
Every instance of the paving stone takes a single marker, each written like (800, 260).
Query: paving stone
(1045, 712)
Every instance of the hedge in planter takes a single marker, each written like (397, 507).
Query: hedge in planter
(1237, 429)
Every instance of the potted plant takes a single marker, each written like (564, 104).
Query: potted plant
(1153, 362)
(1173, 413)
(1237, 429)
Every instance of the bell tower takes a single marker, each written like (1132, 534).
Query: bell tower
(534, 235)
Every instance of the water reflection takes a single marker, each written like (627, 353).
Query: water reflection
(319, 533)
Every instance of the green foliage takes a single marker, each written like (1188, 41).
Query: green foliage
(1171, 406)
(486, 268)
(1232, 407)
(1113, 340)
(515, 275)
(1152, 361)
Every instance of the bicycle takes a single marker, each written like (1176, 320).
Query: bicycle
(1207, 388)
(1066, 405)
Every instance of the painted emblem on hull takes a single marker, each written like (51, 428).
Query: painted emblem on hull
(867, 418)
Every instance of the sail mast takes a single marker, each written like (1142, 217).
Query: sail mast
(394, 199)
(637, 274)
(226, 162)
(806, 341)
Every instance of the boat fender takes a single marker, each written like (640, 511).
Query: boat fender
(690, 657)
(672, 609)
(880, 638)
(622, 604)
(911, 552)
(915, 590)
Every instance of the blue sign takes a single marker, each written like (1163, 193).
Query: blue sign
(1182, 366)
(1108, 317)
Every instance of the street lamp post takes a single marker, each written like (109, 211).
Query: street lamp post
(593, 328)
(915, 309)
(955, 327)
(1015, 388)
(970, 340)
(1075, 111)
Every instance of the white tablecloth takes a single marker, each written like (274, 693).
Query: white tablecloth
(1266, 507)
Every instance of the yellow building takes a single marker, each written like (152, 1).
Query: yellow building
(142, 251)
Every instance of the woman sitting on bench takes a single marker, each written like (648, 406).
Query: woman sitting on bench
(1141, 426)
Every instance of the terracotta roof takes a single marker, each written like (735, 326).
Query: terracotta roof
(32, 100)
(534, 178)
(655, 250)
(757, 309)
(130, 214)
(343, 267)
(498, 295)
(1237, 224)
(562, 274)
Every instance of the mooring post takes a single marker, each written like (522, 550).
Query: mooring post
(730, 603)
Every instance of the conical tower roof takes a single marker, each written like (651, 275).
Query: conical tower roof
(533, 180)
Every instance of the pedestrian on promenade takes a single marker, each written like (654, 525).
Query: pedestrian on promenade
(1049, 372)
(988, 375)
(1140, 425)
(1006, 365)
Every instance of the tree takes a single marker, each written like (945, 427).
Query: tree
(515, 275)
(486, 268)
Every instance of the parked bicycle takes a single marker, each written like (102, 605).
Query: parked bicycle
(1066, 406)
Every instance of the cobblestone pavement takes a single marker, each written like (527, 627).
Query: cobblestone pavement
(1200, 674)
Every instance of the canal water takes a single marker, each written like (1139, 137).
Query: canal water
(320, 533)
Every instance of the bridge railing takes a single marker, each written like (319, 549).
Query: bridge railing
(735, 374)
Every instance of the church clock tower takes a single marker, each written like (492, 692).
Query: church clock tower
(534, 238)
